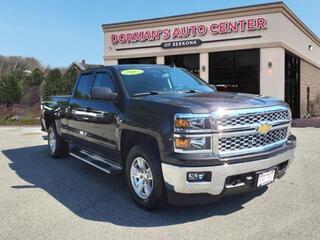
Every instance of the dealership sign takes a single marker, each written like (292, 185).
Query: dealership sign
(184, 43)
(190, 31)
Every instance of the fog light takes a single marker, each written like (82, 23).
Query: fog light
(199, 176)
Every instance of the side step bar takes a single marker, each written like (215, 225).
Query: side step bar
(97, 161)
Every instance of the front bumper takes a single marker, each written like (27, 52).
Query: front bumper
(176, 180)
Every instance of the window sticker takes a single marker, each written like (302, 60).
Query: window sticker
(129, 72)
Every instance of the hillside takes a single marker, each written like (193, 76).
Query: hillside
(16, 77)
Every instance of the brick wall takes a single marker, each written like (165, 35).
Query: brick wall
(310, 77)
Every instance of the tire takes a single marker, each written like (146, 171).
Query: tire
(151, 195)
(57, 146)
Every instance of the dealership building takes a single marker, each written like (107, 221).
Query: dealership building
(262, 49)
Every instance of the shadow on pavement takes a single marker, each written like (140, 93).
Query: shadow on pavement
(96, 196)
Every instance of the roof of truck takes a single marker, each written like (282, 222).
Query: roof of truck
(127, 66)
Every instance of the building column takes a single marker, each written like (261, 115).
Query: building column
(272, 72)
(160, 60)
(204, 66)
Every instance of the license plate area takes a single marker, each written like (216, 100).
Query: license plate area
(265, 177)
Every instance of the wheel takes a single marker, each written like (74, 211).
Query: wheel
(144, 178)
(57, 146)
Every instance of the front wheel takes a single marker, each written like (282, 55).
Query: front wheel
(144, 178)
(57, 146)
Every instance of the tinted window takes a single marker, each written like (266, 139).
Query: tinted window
(104, 80)
(146, 60)
(187, 61)
(235, 71)
(84, 85)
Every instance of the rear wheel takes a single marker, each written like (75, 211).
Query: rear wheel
(144, 178)
(57, 146)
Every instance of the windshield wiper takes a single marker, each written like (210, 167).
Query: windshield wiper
(146, 93)
(191, 91)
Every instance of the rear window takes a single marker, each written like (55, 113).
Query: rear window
(83, 87)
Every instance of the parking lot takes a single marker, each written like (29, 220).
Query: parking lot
(43, 198)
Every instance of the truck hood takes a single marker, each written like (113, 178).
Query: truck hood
(209, 102)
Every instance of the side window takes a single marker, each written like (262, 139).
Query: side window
(104, 80)
(83, 87)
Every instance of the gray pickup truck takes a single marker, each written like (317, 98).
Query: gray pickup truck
(175, 137)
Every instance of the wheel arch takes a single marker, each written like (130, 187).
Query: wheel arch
(130, 138)
(49, 119)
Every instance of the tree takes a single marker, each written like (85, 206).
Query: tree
(13, 63)
(10, 90)
(54, 84)
(37, 77)
(71, 78)
(33, 79)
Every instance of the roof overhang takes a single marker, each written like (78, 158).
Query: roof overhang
(275, 7)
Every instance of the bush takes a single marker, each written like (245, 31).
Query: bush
(10, 90)
(54, 84)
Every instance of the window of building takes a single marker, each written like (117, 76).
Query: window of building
(187, 61)
(146, 60)
(104, 79)
(235, 71)
(292, 83)
(84, 85)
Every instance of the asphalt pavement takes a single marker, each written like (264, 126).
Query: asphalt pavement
(44, 198)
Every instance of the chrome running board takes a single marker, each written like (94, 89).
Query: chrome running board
(96, 161)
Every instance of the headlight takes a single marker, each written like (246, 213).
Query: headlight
(192, 122)
(192, 133)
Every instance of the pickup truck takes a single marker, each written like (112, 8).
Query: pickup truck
(175, 137)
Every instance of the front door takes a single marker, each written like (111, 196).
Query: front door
(102, 123)
(292, 83)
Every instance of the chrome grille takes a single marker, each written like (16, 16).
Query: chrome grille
(251, 141)
(253, 118)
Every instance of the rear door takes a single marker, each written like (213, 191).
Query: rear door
(102, 127)
(78, 109)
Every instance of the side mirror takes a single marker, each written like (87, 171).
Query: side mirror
(214, 87)
(103, 93)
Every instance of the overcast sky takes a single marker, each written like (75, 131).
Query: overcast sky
(62, 31)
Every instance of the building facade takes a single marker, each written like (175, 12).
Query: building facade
(261, 49)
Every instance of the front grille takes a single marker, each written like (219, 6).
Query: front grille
(251, 141)
(253, 118)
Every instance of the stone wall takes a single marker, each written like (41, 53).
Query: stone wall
(310, 77)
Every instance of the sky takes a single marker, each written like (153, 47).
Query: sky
(58, 32)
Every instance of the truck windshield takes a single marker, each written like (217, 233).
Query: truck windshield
(155, 80)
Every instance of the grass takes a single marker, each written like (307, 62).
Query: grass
(27, 120)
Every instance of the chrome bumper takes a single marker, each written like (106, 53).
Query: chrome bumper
(175, 176)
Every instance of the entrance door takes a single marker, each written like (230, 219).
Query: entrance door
(292, 83)
(187, 61)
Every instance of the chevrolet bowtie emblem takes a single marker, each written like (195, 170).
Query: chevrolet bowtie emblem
(264, 128)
